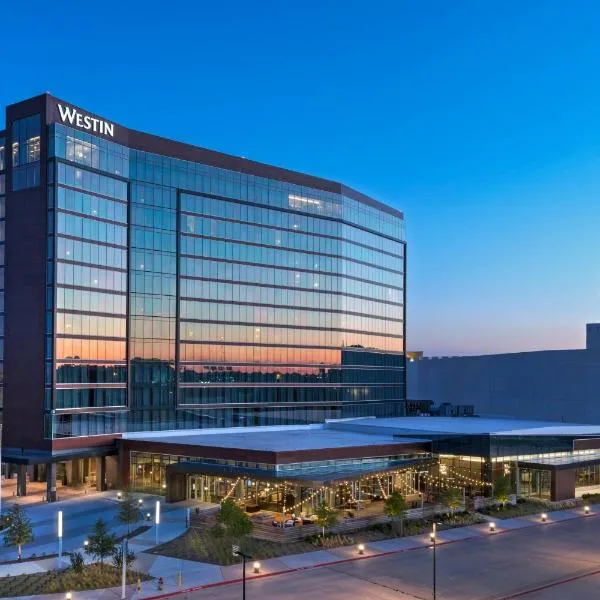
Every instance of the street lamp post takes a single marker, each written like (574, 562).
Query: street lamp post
(157, 519)
(237, 552)
(432, 537)
(124, 569)
(60, 533)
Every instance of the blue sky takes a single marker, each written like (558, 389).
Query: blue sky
(480, 120)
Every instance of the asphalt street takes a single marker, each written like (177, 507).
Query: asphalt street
(550, 562)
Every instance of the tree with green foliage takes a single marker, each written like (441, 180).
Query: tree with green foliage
(19, 530)
(101, 542)
(235, 519)
(502, 489)
(326, 516)
(452, 497)
(129, 510)
(395, 507)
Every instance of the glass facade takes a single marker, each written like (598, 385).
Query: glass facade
(182, 295)
(149, 471)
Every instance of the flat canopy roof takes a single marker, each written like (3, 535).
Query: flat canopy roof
(272, 439)
(427, 426)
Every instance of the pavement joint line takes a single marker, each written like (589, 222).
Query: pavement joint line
(552, 584)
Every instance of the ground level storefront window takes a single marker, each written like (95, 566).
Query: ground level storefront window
(587, 476)
(535, 483)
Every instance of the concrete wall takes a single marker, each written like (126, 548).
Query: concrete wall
(561, 385)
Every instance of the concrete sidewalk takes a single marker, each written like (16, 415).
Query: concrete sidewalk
(79, 517)
(197, 575)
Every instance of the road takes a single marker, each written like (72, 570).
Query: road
(559, 561)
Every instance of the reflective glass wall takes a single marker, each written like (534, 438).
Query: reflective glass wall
(193, 296)
(89, 371)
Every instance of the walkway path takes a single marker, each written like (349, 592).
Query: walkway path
(79, 517)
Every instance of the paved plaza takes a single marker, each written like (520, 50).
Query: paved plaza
(79, 516)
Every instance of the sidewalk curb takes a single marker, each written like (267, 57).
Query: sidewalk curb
(196, 588)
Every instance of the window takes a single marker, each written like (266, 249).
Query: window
(26, 152)
(33, 149)
(2, 146)
(15, 154)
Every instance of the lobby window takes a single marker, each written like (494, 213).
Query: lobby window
(26, 136)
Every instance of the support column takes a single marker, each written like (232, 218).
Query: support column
(51, 482)
(101, 473)
(21, 480)
(76, 471)
(112, 472)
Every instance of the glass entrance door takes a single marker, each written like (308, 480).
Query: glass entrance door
(194, 487)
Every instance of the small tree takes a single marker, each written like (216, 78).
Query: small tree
(502, 489)
(326, 516)
(452, 498)
(129, 511)
(235, 520)
(395, 507)
(19, 530)
(101, 542)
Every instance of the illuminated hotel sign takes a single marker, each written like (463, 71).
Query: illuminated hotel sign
(73, 117)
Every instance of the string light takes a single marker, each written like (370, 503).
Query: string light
(228, 495)
(309, 498)
(471, 480)
(385, 496)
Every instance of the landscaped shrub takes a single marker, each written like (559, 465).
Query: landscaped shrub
(77, 562)
(217, 530)
(332, 541)
(117, 558)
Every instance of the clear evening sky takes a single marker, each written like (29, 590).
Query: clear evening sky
(480, 120)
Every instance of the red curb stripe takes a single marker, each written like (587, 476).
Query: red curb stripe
(379, 554)
(298, 569)
(550, 585)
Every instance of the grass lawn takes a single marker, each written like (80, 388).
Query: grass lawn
(201, 544)
(92, 577)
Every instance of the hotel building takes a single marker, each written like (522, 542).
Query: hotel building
(152, 285)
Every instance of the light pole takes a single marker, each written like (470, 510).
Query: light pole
(157, 519)
(433, 540)
(60, 533)
(235, 549)
(124, 569)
